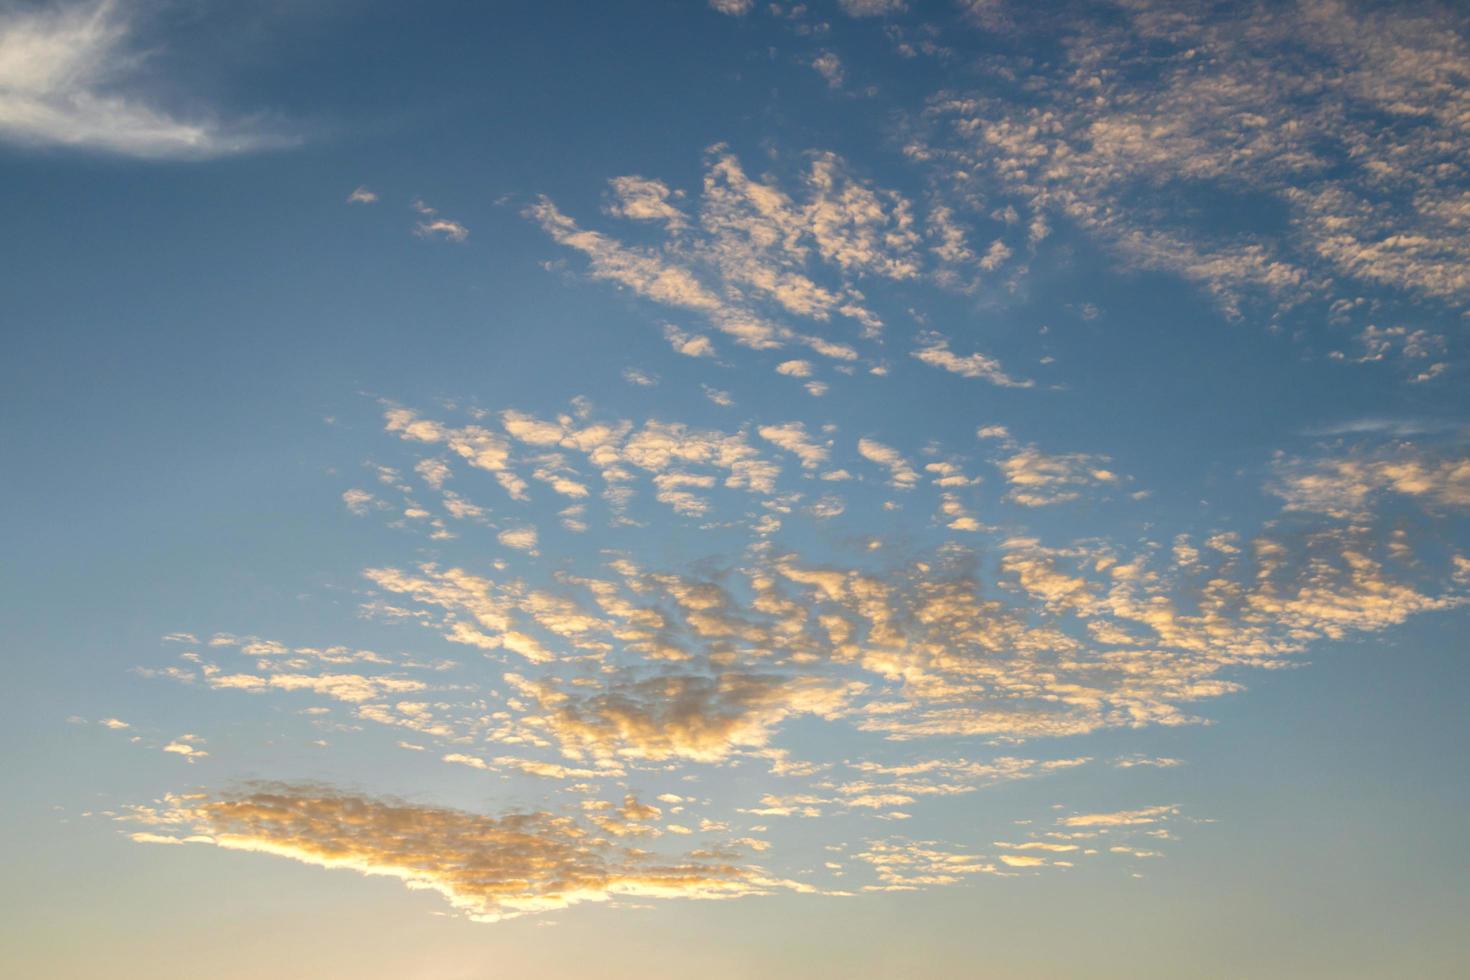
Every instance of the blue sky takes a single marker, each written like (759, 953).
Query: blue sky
(852, 488)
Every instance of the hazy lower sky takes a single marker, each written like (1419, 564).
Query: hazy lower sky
(862, 488)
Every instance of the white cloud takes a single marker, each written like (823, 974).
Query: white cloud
(65, 70)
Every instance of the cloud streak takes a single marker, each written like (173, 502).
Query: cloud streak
(65, 71)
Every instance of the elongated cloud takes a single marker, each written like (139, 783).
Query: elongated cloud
(903, 475)
(64, 72)
(489, 868)
(679, 714)
(934, 351)
(1346, 485)
(792, 437)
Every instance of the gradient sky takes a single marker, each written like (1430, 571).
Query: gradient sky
(862, 488)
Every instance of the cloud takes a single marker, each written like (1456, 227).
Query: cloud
(478, 446)
(735, 8)
(489, 868)
(520, 538)
(749, 253)
(1345, 124)
(1039, 479)
(186, 747)
(530, 767)
(620, 664)
(359, 502)
(451, 230)
(1346, 486)
(903, 476)
(361, 195)
(935, 352)
(793, 438)
(679, 714)
(1121, 818)
(65, 73)
(688, 344)
(872, 8)
(640, 199)
(795, 369)
(829, 66)
(351, 688)
(641, 378)
(906, 865)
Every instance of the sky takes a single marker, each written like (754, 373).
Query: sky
(862, 488)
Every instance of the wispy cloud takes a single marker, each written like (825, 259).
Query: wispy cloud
(66, 74)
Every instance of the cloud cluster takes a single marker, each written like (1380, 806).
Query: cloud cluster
(753, 257)
(1335, 136)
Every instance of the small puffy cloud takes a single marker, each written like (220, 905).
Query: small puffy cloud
(433, 471)
(186, 746)
(359, 502)
(641, 199)
(795, 369)
(829, 66)
(734, 8)
(639, 377)
(520, 538)
(688, 344)
(361, 195)
(432, 224)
